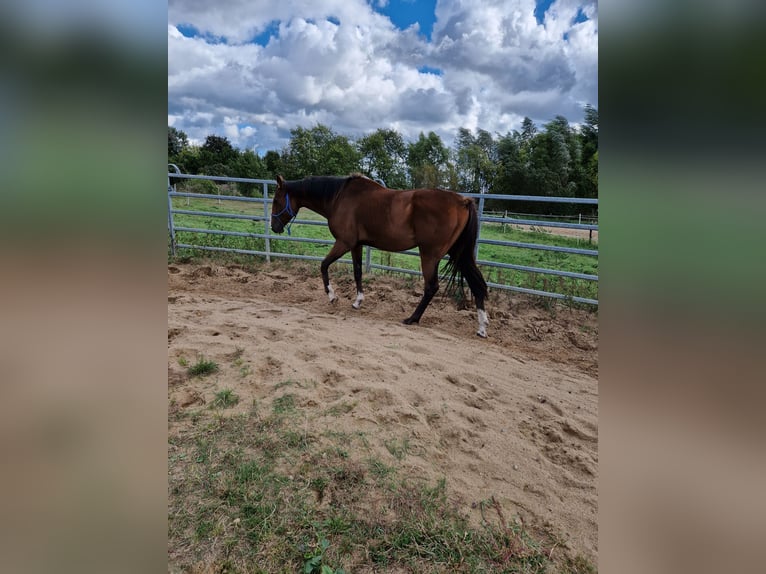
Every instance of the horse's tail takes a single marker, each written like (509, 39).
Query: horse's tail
(462, 261)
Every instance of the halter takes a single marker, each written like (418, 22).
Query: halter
(289, 210)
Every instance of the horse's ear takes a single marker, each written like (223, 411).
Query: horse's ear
(280, 181)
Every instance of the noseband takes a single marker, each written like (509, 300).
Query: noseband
(287, 209)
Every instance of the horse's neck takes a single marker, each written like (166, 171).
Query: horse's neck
(316, 203)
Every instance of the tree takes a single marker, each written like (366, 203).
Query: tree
(589, 145)
(274, 164)
(384, 156)
(475, 159)
(177, 142)
(319, 151)
(251, 166)
(189, 160)
(511, 174)
(427, 161)
(589, 132)
(528, 130)
(217, 154)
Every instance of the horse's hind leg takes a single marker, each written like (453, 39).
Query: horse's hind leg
(337, 251)
(356, 256)
(430, 267)
(483, 321)
(479, 290)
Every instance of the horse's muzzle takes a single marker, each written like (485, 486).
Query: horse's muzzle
(277, 226)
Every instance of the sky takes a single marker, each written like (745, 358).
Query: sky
(252, 70)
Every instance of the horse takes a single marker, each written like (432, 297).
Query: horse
(360, 211)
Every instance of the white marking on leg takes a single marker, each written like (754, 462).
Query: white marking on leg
(359, 298)
(331, 293)
(483, 322)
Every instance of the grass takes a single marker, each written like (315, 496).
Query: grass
(225, 398)
(203, 367)
(274, 490)
(399, 450)
(492, 253)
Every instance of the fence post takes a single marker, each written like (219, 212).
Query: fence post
(481, 214)
(368, 260)
(171, 225)
(267, 221)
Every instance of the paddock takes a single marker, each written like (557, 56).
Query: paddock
(513, 417)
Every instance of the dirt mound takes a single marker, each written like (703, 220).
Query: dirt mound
(512, 417)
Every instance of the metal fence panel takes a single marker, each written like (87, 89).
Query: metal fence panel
(268, 252)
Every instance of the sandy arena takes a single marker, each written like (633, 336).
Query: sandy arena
(514, 416)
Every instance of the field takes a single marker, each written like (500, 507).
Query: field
(310, 437)
(497, 254)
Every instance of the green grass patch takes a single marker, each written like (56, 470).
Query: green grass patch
(203, 367)
(284, 404)
(398, 449)
(225, 398)
(253, 493)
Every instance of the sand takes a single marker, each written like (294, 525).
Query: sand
(514, 416)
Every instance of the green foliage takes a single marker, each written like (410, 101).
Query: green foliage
(251, 166)
(384, 156)
(427, 160)
(314, 560)
(225, 398)
(217, 151)
(273, 163)
(284, 404)
(188, 160)
(476, 161)
(318, 151)
(203, 367)
(557, 159)
(177, 142)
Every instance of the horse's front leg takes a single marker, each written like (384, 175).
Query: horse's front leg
(338, 250)
(430, 268)
(356, 256)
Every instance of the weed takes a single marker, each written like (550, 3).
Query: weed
(203, 367)
(286, 383)
(183, 362)
(398, 450)
(204, 451)
(294, 439)
(341, 408)
(224, 399)
(284, 404)
(245, 370)
(379, 469)
(250, 471)
(314, 559)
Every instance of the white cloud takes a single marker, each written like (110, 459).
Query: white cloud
(498, 66)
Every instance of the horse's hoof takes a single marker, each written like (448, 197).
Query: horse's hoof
(482, 335)
(356, 306)
(408, 321)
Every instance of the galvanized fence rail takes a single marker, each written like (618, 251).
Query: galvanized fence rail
(267, 236)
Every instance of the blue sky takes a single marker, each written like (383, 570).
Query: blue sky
(252, 70)
(404, 13)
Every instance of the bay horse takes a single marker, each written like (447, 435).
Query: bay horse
(360, 211)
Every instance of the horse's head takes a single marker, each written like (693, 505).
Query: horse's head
(282, 210)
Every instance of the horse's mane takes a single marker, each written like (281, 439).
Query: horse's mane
(326, 186)
(358, 175)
